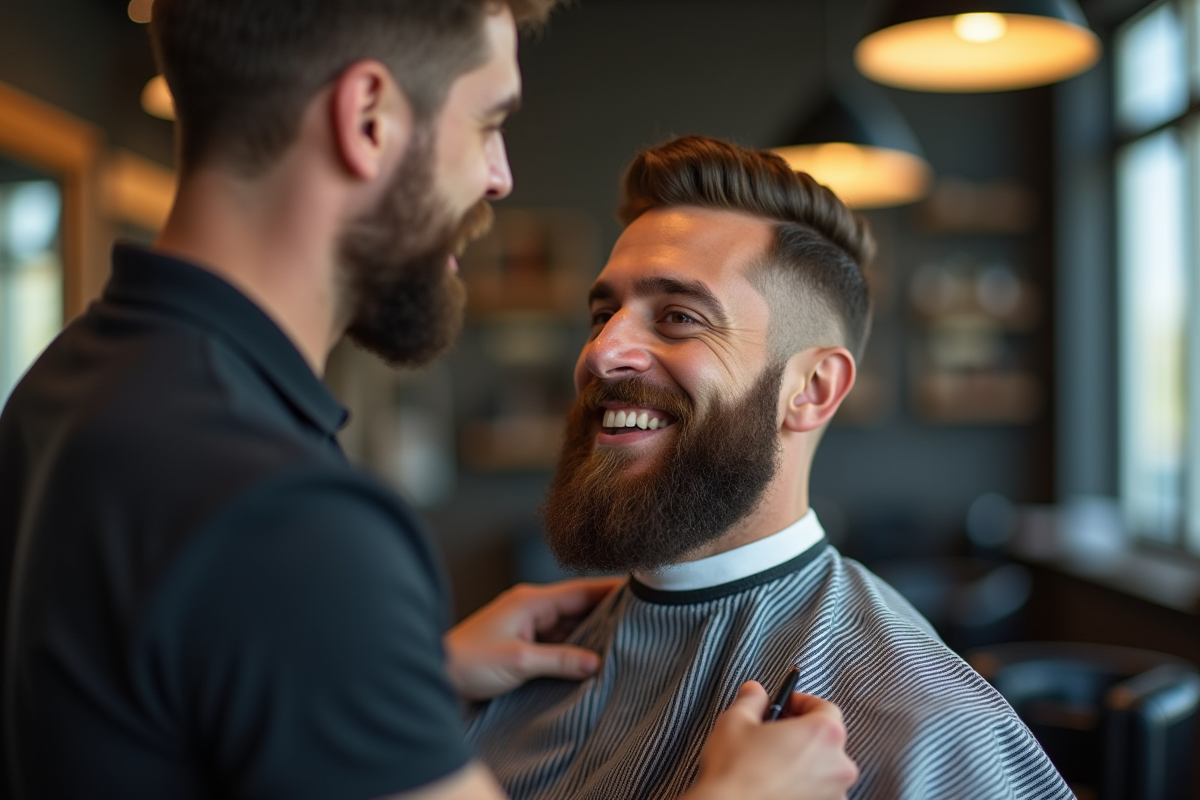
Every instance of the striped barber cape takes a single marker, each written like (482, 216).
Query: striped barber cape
(921, 724)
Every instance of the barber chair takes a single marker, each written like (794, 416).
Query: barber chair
(1117, 722)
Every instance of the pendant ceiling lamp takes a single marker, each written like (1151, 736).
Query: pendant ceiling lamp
(978, 45)
(859, 146)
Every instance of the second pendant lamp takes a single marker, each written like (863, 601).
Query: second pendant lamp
(859, 146)
(978, 45)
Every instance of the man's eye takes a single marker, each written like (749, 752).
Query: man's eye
(679, 318)
(601, 317)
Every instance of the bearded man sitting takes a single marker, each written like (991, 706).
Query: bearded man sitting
(726, 328)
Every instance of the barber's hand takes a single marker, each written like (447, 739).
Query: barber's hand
(799, 757)
(514, 638)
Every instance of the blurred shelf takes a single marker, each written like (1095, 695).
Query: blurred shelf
(511, 443)
(1005, 398)
(959, 206)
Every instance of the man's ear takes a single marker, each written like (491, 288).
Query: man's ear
(372, 119)
(815, 382)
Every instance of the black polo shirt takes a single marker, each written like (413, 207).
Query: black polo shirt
(205, 599)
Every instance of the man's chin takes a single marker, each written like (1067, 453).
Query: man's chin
(403, 341)
(406, 357)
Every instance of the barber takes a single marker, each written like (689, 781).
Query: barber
(204, 599)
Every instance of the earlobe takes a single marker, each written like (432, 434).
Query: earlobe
(372, 119)
(824, 377)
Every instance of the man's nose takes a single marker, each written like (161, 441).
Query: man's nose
(621, 349)
(500, 179)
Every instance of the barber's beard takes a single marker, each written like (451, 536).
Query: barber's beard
(713, 474)
(401, 300)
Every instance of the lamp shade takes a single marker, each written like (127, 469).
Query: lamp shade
(859, 146)
(978, 45)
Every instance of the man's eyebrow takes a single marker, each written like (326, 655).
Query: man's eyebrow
(694, 290)
(508, 106)
(600, 291)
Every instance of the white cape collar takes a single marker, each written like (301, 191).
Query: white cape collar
(740, 562)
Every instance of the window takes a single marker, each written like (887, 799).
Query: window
(1157, 74)
(31, 274)
(51, 257)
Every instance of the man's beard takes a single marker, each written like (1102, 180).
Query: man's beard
(711, 476)
(397, 293)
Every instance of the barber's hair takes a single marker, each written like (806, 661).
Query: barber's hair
(242, 71)
(812, 275)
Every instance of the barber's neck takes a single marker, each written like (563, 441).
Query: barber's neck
(273, 237)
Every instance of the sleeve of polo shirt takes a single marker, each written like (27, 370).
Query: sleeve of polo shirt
(310, 628)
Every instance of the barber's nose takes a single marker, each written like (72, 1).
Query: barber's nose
(620, 350)
(500, 179)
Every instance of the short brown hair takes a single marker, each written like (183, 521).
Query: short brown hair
(812, 277)
(242, 71)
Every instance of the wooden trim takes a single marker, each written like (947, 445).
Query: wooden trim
(68, 148)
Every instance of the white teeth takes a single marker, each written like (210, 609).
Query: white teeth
(632, 419)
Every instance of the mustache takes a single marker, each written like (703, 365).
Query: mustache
(637, 392)
(474, 225)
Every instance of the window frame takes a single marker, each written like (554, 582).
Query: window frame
(1185, 539)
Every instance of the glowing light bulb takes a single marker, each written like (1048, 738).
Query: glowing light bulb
(140, 10)
(863, 177)
(840, 161)
(980, 27)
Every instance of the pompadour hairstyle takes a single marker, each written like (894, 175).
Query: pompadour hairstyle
(243, 71)
(812, 278)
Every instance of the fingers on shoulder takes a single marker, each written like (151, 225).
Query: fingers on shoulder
(580, 594)
(556, 661)
(549, 602)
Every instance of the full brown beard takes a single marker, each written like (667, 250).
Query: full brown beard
(400, 299)
(711, 476)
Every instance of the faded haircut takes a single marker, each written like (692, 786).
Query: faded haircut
(242, 71)
(812, 275)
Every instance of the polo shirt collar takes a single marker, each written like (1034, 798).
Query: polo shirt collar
(147, 278)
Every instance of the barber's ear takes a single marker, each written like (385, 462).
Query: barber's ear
(815, 383)
(372, 119)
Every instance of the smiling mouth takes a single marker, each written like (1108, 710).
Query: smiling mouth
(628, 420)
